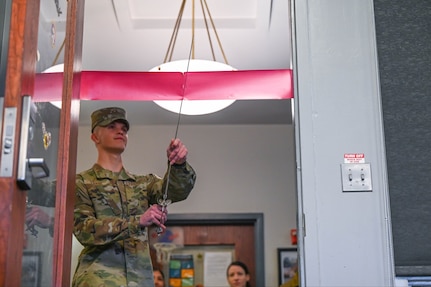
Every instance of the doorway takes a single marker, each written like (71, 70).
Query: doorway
(240, 169)
(242, 231)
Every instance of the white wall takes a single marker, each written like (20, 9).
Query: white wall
(240, 169)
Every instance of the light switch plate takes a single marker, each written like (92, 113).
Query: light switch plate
(356, 177)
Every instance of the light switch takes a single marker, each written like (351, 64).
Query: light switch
(356, 177)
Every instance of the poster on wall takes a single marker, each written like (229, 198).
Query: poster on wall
(287, 264)
(181, 270)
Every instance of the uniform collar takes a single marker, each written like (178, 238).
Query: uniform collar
(100, 173)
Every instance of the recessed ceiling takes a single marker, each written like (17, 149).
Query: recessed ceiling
(133, 35)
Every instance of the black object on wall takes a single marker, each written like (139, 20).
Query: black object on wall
(5, 11)
(403, 30)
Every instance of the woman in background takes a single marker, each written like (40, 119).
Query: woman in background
(238, 275)
(159, 278)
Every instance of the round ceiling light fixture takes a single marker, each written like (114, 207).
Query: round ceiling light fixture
(195, 107)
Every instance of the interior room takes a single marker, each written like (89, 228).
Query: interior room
(360, 78)
(244, 155)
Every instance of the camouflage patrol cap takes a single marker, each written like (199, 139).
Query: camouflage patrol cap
(105, 116)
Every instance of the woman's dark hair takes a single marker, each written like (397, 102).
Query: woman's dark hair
(243, 266)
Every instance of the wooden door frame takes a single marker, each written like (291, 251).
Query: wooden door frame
(67, 149)
(6, 6)
(21, 61)
(20, 78)
(255, 219)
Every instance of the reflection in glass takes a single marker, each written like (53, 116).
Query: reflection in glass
(43, 143)
(39, 226)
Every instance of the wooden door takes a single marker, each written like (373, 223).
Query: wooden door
(240, 236)
(243, 231)
(20, 78)
(19, 81)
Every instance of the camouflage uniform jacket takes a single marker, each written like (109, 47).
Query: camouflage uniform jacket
(107, 210)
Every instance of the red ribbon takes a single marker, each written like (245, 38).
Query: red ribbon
(149, 86)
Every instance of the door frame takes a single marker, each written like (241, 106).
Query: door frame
(255, 219)
(20, 79)
(6, 7)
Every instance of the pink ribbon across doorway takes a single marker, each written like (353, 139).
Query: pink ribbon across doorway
(149, 86)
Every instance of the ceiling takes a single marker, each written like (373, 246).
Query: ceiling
(134, 35)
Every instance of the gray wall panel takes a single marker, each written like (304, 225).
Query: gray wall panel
(403, 30)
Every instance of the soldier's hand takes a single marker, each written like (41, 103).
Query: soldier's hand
(176, 152)
(154, 215)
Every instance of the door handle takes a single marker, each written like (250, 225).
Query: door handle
(28, 167)
(43, 170)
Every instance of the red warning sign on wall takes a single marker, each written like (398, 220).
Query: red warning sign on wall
(354, 158)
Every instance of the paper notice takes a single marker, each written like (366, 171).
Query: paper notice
(215, 265)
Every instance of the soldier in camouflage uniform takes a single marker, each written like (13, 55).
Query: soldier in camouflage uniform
(113, 207)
